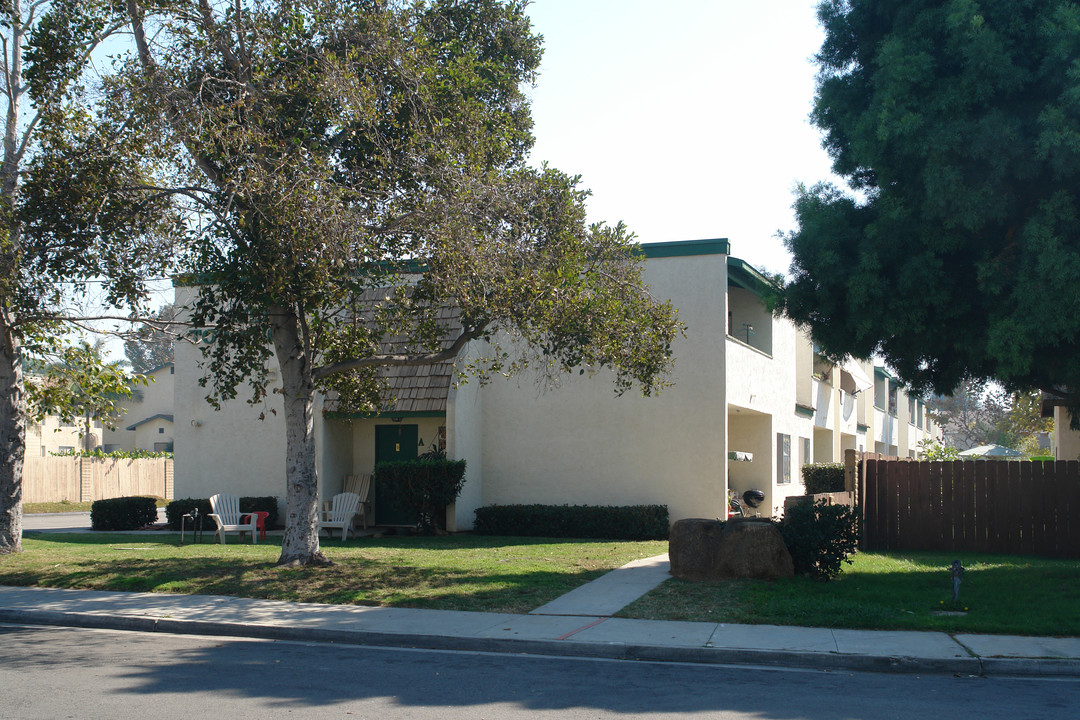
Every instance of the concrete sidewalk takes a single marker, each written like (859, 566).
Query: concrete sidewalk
(578, 624)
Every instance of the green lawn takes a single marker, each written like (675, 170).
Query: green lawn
(908, 591)
(903, 591)
(460, 572)
(63, 506)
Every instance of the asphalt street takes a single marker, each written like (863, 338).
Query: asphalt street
(81, 673)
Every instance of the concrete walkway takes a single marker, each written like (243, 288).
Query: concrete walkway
(577, 624)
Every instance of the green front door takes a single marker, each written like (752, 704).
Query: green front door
(394, 442)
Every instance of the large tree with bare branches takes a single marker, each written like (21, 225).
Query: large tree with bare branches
(360, 168)
(57, 247)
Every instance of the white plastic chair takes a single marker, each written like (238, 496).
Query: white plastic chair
(361, 485)
(343, 508)
(228, 517)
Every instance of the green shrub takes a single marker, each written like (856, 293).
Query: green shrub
(820, 537)
(823, 478)
(126, 513)
(116, 454)
(178, 508)
(424, 487)
(630, 522)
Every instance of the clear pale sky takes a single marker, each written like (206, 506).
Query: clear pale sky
(687, 119)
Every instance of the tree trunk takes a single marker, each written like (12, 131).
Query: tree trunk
(12, 392)
(300, 546)
(12, 446)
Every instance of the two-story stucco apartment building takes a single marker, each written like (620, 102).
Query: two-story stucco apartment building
(746, 384)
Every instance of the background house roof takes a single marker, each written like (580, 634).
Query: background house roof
(161, 416)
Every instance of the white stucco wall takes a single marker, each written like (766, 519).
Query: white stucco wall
(154, 432)
(228, 450)
(1066, 440)
(464, 441)
(580, 444)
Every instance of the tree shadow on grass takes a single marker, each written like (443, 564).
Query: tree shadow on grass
(247, 571)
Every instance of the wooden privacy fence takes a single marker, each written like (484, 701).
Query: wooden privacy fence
(1020, 507)
(81, 479)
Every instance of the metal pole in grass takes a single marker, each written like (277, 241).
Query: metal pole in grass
(957, 574)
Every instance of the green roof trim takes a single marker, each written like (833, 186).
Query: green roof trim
(746, 276)
(804, 410)
(339, 415)
(686, 248)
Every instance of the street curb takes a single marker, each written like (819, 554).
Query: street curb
(1031, 667)
(566, 648)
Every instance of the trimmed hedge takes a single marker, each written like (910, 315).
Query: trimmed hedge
(125, 513)
(628, 522)
(823, 478)
(425, 487)
(178, 508)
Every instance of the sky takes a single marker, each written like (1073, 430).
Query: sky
(687, 119)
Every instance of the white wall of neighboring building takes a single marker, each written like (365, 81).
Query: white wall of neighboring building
(238, 449)
(142, 411)
(581, 444)
(1065, 441)
(465, 441)
(50, 436)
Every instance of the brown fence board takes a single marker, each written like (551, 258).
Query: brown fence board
(902, 498)
(1067, 500)
(979, 521)
(920, 501)
(981, 506)
(933, 506)
(1052, 519)
(869, 497)
(997, 512)
(1011, 525)
(948, 530)
(890, 492)
(1032, 531)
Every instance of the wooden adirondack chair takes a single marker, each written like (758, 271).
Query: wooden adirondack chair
(361, 485)
(343, 509)
(228, 517)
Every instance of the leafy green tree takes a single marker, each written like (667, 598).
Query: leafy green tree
(152, 344)
(971, 415)
(53, 251)
(360, 170)
(957, 126)
(932, 451)
(82, 385)
(1023, 423)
